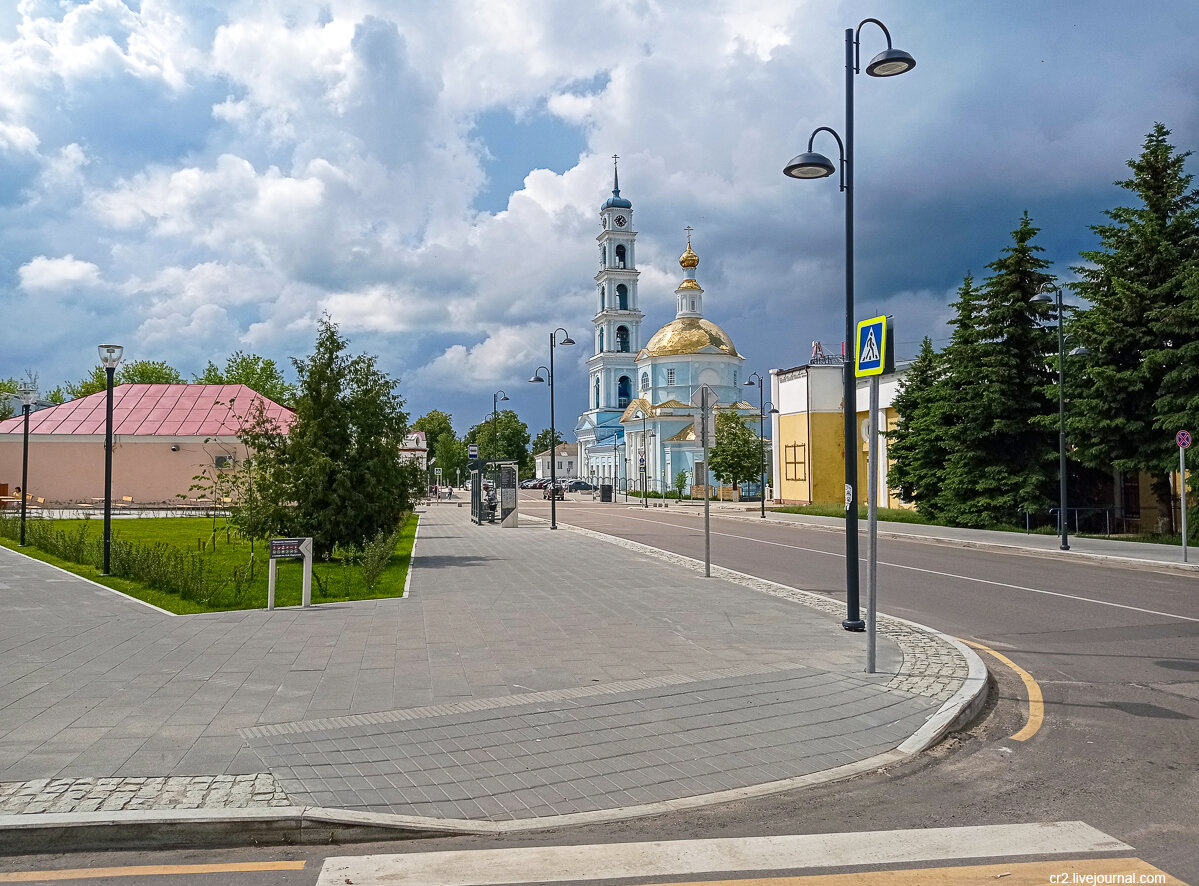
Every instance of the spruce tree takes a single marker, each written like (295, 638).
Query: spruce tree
(1001, 456)
(917, 443)
(1131, 389)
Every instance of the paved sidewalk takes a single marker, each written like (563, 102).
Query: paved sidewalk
(529, 675)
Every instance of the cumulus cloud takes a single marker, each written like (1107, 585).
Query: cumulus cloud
(44, 273)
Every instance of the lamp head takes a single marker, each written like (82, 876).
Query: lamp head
(1080, 351)
(110, 355)
(537, 378)
(810, 164)
(890, 63)
(1042, 298)
(504, 397)
(27, 392)
(748, 383)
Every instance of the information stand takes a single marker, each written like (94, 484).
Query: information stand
(290, 549)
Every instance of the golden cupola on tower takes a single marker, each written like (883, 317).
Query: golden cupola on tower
(689, 261)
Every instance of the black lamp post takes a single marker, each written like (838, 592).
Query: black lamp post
(888, 63)
(549, 379)
(1044, 298)
(495, 424)
(28, 393)
(110, 357)
(749, 383)
(615, 467)
(646, 436)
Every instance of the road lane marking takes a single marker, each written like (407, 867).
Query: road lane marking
(985, 581)
(540, 864)
(1025, 873)
(1036, 702)
(149, 870)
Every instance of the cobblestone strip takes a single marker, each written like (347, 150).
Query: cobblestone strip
(127, 794)
(931, 667)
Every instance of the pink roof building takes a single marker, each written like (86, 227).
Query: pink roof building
(163, 435)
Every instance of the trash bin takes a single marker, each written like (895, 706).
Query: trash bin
(605, 492)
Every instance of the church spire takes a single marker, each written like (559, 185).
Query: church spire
(615, 176)
(689, 295)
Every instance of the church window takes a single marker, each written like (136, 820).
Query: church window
(622, 297)
(603, 296)
(597, 392)
(692, 304)
(601, 346)
(604, 257)
(620, 256)
(670, 376)
(734, 378)
(624, 391)
(622, 339)
(645, 381)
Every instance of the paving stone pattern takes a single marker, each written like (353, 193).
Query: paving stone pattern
(119, 794)
(501, 626)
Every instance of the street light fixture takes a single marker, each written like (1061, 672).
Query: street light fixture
(27, 391)
(888, 63)
(749, 383)
(645, 438)
(1043, 298)
(495, 423)
(110, 358)
(549, 371)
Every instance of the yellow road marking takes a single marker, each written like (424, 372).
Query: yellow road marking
(1036, 703)
(1031, 873)
(149, 870)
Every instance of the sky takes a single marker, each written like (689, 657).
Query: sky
(191, 179)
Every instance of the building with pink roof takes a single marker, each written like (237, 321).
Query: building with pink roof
(163, 435)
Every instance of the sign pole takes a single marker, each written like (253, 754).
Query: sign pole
(703, 412)
(872, 528)
(1183, 439)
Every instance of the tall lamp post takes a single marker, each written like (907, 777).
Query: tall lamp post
(646, 436)
(749, 383)
(888, 63)
(28, 393)
(549, 379)
(1043, 298)
(495, 425)
(110, 358)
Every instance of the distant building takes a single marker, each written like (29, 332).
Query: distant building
(639, 427)
(416, 448)
(567, 466)
(163, 435)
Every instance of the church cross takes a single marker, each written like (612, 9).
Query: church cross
(688, 229)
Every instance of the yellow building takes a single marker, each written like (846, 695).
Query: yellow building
(808, 433)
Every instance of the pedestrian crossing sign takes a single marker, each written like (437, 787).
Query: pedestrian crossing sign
(875, 350)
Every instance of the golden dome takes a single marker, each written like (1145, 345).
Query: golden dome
(689, 259)
(690, 283)
(688, 335)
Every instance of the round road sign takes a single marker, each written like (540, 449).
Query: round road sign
(1184, 439)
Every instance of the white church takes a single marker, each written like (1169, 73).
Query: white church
(639, 429)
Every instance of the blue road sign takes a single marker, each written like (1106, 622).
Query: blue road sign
(472, 451)
(1183, 438)
(871, 350)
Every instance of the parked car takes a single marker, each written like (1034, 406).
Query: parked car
(553, 491)
(531, 483)
(579, 486)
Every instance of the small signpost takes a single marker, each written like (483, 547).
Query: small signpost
(290, 549)
(874, 356)
(472, 451)
(1183, 439)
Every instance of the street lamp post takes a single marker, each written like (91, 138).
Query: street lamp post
(749, 383)
(549, 379)
(110, 358)
(495, 425)
(887, 63)
(28, 393)
(1044, 298)
(645, 438)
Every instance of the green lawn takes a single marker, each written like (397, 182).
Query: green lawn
(223, 553)
(893, 515)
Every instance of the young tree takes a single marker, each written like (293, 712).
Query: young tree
(434, 423)
(259, 374)
(1000, 453)
(337, 475)
(137, 372)
(1131, 388)
(451, 457)
(513, 442)
(918, 442)
(737, 456)
(8, 388)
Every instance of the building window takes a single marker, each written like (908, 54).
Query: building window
(624, 391)
(597, 379)
(670, 376)
(601, 343)
(795, 461)
(622, 339)
(645, 381)
(734, 378)
(620, 261)
(622, 297)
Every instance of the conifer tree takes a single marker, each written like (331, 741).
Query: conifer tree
(917, 443)
(1132, 388)
(1001, 456)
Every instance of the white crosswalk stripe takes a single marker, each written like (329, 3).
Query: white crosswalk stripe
(490, 867)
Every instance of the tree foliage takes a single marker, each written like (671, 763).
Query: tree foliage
(505, 438)
(737, 456)
(337, 474)
(136, 372)
(918, 442)
(1000, 453)
(260, 374)
(543, 443)
(434, 423)
(1138, 381)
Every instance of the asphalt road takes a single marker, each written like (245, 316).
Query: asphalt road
(1114, 651)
